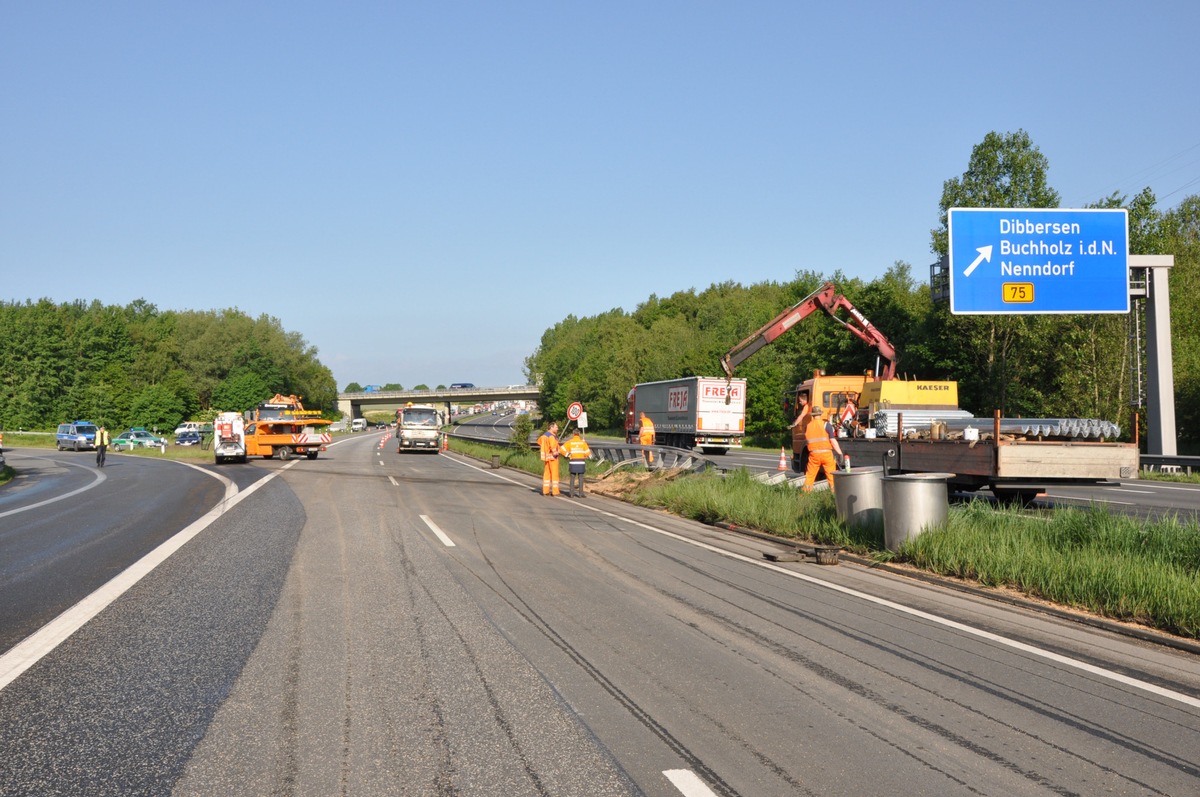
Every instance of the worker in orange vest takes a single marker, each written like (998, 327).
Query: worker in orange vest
(577, 452)
(822, 444)
(646, 438)
(549, 448)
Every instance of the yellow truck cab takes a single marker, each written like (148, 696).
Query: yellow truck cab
(830, 393)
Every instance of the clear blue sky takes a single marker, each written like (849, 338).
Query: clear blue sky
(421, 189)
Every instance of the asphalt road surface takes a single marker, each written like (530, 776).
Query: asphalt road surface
(375, 623)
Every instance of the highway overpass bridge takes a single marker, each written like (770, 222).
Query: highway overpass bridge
(353, 405)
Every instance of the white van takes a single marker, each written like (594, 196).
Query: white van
(358, 425)
(194, 426)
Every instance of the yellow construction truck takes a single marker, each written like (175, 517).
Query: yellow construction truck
(915, 426)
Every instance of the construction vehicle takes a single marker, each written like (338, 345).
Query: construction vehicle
(709, 412)
(418, 426)
(916, 426)
(281, 428)
(229, 437)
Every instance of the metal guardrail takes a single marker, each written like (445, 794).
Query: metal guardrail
(620, 454)
(652, 457)
(1160, 463)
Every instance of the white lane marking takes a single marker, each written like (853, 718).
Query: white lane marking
(933, 618)
(38, 644)
(1190, 488)
(688, 784)
(99, 477)
(231, 489)
(1128, 490)
(392, 479)
(1090, 500)
(441, 535)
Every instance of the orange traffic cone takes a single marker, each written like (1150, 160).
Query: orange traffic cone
(445, 442)
(782, 459)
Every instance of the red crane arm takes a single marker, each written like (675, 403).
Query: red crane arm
(824, 298)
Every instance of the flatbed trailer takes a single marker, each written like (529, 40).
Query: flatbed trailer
(1012, 469)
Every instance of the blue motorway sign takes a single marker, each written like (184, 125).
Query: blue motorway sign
(1038, 260)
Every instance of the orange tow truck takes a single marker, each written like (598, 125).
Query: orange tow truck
(282, 428)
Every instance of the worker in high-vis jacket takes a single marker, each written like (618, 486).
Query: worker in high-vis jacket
(822, 444)
(577, 452)
(646, 438)
(549, 448)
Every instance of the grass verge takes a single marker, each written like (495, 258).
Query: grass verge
(1090, 559)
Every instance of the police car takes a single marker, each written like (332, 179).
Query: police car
(77, 435)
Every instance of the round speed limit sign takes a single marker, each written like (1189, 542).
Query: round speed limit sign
(574, 411)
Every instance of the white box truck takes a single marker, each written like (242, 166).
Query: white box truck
(708, 412)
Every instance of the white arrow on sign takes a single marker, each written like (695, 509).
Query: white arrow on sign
(985, 253)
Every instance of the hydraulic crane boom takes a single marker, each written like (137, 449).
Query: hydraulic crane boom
(824, 298)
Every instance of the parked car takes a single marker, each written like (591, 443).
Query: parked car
(137, 438)
(188, 437)
(76, 435)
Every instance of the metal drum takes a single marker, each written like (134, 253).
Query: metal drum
(912, 502)
(859, 496)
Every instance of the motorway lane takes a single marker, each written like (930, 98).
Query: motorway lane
(762, 683)
(117, 707)
(1146, 498)
(377, 673)
(670, 657)
(323, 638)
(66, 526)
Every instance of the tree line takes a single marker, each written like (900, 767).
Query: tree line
(1026, 366)
(139, 366)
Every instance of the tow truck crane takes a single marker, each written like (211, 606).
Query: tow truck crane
(824, 298)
